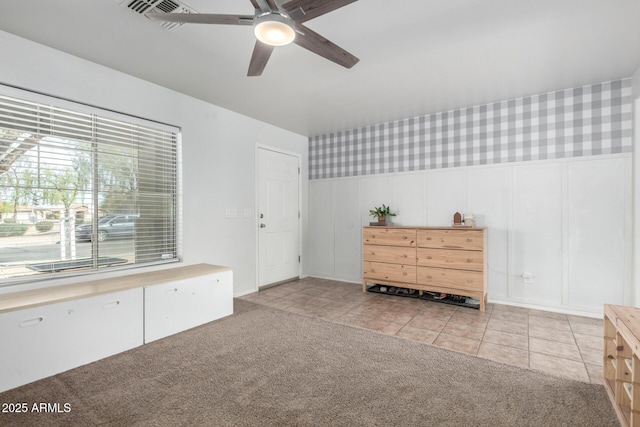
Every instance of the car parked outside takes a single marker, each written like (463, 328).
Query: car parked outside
(109, 227)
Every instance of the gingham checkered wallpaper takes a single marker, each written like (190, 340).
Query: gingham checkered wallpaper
(584, 121)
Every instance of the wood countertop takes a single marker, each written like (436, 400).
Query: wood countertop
(38, 297)
(424, 227)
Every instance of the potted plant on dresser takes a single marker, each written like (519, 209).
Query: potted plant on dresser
(381, 213)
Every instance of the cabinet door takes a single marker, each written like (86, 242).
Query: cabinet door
(455, 279)
(389, 236)
(449, 258)
(43, 341)
(472, 240)
(390, 272)
(176, 306)
(390, 254)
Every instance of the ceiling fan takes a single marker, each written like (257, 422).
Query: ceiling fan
(276, 23)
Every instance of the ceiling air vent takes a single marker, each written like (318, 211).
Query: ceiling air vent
(158, 6)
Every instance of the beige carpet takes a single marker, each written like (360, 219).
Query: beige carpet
(264, 367)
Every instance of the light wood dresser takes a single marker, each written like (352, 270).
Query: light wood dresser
(434, 259)
(621, 365)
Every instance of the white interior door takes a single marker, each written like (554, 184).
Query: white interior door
(278, 218)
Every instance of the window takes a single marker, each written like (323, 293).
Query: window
(82, 189)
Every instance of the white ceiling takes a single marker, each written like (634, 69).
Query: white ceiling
(416, 56)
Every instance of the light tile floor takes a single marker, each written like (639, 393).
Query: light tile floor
(559, 344)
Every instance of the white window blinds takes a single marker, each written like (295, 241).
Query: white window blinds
(83, 190)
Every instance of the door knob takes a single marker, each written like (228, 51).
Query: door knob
(263, 225)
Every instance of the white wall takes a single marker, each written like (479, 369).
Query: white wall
(218, 148)
(636, 187)
(568, 222)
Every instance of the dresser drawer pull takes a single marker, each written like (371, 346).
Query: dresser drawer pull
(171, 291)
(31, 322)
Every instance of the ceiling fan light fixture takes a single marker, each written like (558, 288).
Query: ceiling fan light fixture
(274, 29)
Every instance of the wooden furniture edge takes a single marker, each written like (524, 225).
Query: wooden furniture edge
(629, 317)
(617, 409)
(377, 227)
(483, 297)
(38, 297)
(626, 322)
(388, 283)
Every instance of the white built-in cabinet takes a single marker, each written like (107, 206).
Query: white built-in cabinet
(49, 339)
(565, 222)
(47, 331)
(182, 304)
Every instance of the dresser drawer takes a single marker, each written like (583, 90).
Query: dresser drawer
(390, 254)
(391, 272)
(451, 258)
(459, 280)
(389, 236)
(451, 239)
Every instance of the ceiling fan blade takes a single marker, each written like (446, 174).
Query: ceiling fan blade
(259, 58)
(319, 45)
(265, 5)
(304, 10)
(202, 18)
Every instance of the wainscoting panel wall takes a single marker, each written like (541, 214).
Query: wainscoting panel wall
(409, 190)
(374, 190)
(599, 222)
(321, 228)
(446, 188)
(548, 174)
(348, 232)
(536, 233)
(488, 191)
(565, 222)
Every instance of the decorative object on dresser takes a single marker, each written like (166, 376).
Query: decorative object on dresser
(621, 364)
(457, 218)
(467, 220)
(442, 260)
(381, 213)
